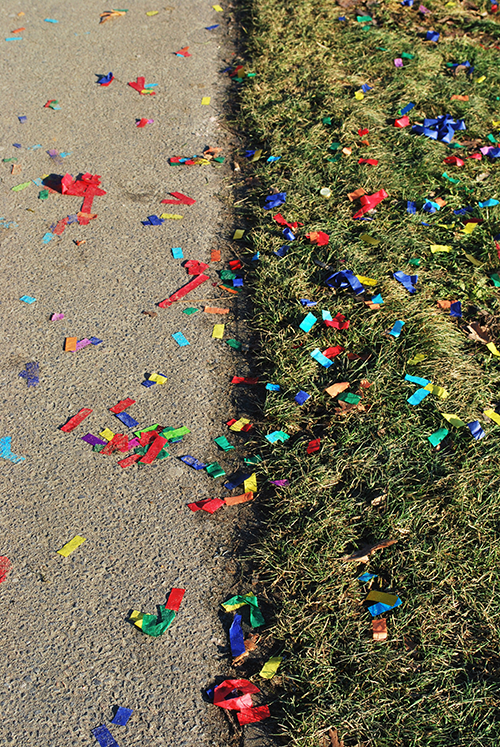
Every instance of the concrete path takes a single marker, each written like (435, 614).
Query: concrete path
(67, 653)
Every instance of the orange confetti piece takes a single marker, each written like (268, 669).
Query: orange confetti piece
(335, 389)
(233, 500)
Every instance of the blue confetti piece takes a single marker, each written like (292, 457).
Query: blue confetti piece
(341, 18)
(365, 88)
(411, 207)
(308, 322)
(127, 420)
(47, 237)
(273, 159)
(256, 257)
(379, 608)
(476, 430)
(363, 578)
(408, 281)
(407, 109)
(17, 145)
(396, 329)
(122, 715)
(211, 28)
(417, 380)
(236, 637)
(274, 201)
(95, 340)
(432, 36)
(378, 299)
(418, 396)
(307, 302)
(72, 219)
(301, 397)
(192, 462)
(31, 373)
(456, 309)
(238, 479)
(238, 283)
(277, 436)
(148, 383)
(281, 252)
(288, 234)
(273, 387)
(28, 299)
(180, 339)
(152, 220)
(320, 358)
(23, 119)
(104, 79)
(104, 737)
(345, 279)
(177, 252)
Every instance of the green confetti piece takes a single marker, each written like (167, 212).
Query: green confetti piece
(152, 627)
(450, 178)
(496, 280)
(407, 56)
(327, 120)
(19, 187)
(236, 344)
(415, 261)
(492, 139)
(43, 195)
(172, 433)
(219, 159)
(223, 443)
(256, 616)
(363, 19)
(141, 450)
(349, 397)
(162, 455)
(190, 310)
(146, 430)
(8, 160)
(227, 275)
(335, 146)
(253, 460)
(215, 470)
(98, 447)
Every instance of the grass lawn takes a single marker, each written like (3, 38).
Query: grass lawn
(434, 681)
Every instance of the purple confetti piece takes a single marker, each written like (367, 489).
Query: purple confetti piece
(82, 343)
(93, 440)
(280, 483)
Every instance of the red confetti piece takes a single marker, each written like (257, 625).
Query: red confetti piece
(251, 715)
(320, 238)
(180, 199)
(122, 405)
(369, 161)
(128, 461)
(198, 280)
(245, 380)
(402, 122)
(76, 420)
(313, 446)
(154, 450)
(174, 599)
(5, 566)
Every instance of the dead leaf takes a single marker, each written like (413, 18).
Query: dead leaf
(152, 314)
(482, 176)
(477, 333)
(334, 738)
(363, 554)
(250, 645)
(16, 168)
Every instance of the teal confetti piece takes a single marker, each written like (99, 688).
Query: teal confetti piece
(180, 339)
(308, 322)
(190, 310)
(436, 438)
(417, 380)
(277, 436)
(28, 299)
(396, 329)
(320, 358)
(417, 397)
(177, 252)
(223, 443)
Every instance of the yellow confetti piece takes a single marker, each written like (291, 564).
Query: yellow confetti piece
(382, 596)
(480, 80)
(366, 281)
(256, 155)
(205, 100)
(492, 348)
(270, 667)
(453, 419)
(171, 216)
(435, 248)
(238, 426)
(107, 434)
(369, 239)
(359, 95)
(70, 546)
(152, 12)
(136, 617)
(495, 123)
(250, 485)
(158, 379)
(438, 391)
(217, 8)
(238, 234)
(472, 259)
(218, 331)
(469, 227)
(492, 415)
(417, 359)
(237, 605)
